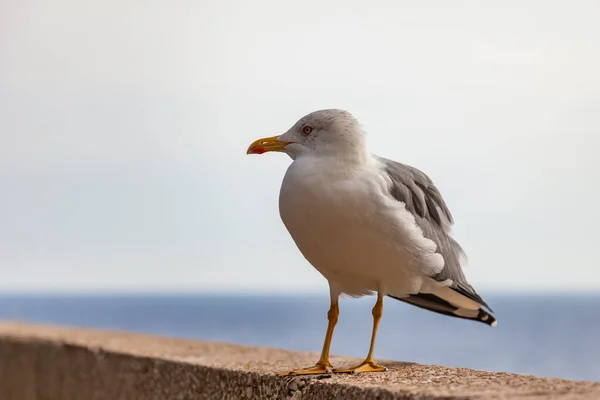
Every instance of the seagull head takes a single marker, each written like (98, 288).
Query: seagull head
(321, 133)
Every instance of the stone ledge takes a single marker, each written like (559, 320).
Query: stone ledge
(51, 362)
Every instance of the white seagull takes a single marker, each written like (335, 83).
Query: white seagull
(368, 224)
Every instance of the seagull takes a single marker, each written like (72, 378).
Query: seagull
(369, 225)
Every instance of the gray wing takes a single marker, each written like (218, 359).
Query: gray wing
(420, 196)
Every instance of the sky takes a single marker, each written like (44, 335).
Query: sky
(124, 126)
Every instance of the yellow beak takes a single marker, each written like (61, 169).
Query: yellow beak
(264, 145)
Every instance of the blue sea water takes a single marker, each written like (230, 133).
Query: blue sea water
(556, 336)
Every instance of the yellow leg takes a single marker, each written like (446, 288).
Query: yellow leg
(369, 365)
(323, 366)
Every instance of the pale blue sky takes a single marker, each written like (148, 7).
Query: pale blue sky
(124, 127)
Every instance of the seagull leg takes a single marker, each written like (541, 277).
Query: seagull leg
(323, 366)
(369, 365)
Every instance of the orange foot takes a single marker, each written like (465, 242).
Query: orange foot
(320, 368)
(365, 366)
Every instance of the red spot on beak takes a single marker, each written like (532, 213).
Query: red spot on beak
(258, 150)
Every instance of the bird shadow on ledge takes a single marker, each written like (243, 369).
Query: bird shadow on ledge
(392, 365)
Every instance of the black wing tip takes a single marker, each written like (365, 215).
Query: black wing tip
(486, 318)
(433, 303)
(469, 292)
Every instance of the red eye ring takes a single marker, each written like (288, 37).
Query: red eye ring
(307, 130)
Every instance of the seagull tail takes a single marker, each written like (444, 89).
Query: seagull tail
(434, 302)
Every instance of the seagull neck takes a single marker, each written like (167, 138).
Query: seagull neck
(347, 161)
(354, 156)
(355, 159)
(348, 153)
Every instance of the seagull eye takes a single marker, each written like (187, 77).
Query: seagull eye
(307, 130)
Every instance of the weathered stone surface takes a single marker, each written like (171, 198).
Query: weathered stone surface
(49, 362)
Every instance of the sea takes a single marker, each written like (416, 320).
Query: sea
(542, 335)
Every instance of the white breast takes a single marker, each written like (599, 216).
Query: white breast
(351, 231)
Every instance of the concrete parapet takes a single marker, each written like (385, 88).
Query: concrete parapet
(50, 362)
